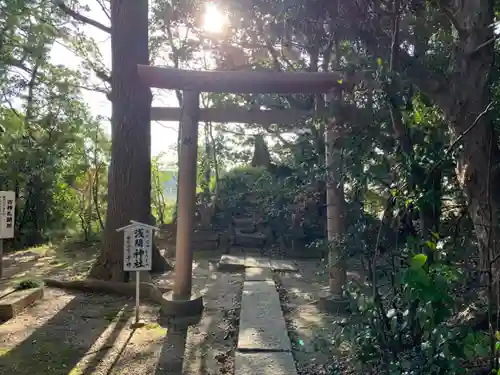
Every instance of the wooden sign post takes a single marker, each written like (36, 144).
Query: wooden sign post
(137, 255)
(7, 220)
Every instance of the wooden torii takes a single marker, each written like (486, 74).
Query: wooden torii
(192, 83)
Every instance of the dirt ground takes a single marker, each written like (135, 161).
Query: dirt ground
(77, 333)
(311, 331)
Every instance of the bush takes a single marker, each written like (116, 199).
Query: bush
(400, 325)
(241, 190)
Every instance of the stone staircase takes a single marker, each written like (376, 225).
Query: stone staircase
(247, 232)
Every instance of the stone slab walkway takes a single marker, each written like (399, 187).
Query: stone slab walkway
(263, 347)
(239, 262)
(277, 363)
(258, 274)
(262, 326)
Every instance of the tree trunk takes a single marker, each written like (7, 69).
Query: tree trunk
(468, 100)
(430, 210)
(129, 185)
(335, 209)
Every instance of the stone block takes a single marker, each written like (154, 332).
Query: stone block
(256, 261)
(231, 263)
(264, 363)
(258, 274)
(174, 307)
(283, 265)
(256, 239)
(243, 222)
(14, 303)
(262, 326)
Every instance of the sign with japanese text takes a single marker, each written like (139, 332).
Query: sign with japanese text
(137, 247)
(7, 209)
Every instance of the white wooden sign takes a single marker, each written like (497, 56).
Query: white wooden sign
(7, 207)
(137, 246)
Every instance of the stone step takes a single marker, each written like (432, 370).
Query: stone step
(262, 326)
(256, 239)
(264, 363)
(205, 240)
(244, 223)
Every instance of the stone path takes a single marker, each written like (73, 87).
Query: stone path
(240, 262)
(264, 347)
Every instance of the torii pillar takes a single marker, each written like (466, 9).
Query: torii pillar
(187, 194)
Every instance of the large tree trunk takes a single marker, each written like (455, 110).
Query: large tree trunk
(129, 185)
(469, 99)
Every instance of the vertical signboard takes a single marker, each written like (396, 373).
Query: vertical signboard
(7, 209)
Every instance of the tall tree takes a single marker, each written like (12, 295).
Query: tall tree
(129, 180)
(129, 186)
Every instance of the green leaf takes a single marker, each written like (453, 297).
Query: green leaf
(497, 346)
(339, 81)
(431, 245)
(481, 350)
(379, 61)
(418, 261)
(418, 117)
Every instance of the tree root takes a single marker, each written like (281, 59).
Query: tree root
(150, 292)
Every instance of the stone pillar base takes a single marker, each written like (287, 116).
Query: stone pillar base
(171, 307)
(333, 304)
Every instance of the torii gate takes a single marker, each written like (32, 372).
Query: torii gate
(194, 82)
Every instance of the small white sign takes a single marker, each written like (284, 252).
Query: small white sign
(137, 246)
(7, 210)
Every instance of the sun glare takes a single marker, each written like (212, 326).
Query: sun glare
(214, 20)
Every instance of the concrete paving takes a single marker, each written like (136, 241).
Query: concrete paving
(270, 363)
(262, 326)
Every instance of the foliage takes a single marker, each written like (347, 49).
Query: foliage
(28, 284)
(52, 152)
(401, 320)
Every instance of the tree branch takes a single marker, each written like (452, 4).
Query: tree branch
(418, 74)
(399, 127)
(80, 17)
(104, 8)
(460, 137)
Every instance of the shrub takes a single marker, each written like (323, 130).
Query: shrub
(400, 324)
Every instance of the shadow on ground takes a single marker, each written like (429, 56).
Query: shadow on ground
(205, 347)
(311, 331)
(76, 334)
(172, 352)
(57, 344)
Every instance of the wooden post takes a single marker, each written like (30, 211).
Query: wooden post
(335, 201)
(187, 194)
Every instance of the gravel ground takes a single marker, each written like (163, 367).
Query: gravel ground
(78, 333)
